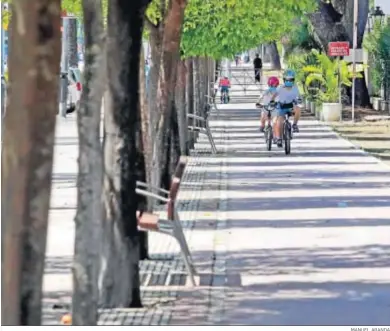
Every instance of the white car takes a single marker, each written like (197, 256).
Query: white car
(74, 89)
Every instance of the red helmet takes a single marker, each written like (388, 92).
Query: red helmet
(273, 81)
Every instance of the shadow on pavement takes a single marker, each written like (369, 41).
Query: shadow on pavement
(309, 303)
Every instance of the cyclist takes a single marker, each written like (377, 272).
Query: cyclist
(287, 96)
(273, 83)
(224, 84)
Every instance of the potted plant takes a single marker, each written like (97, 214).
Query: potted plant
(311, 101)
(384, 59)
(296, 61)
(318, 110)
(376, 88)
(377, 44)
(326, 72)
(311, 104)
(312, 92)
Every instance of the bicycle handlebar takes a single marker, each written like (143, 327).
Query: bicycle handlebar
(273, 104)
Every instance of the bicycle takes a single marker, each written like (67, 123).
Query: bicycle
(268, 130)
(225, 97)
(287, 133)
(287, 127)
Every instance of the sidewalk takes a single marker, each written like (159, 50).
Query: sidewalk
(277, 240)
(307, 237)
(161, 278)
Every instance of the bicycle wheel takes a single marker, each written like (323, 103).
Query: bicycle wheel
(268, 137)
(287, 137)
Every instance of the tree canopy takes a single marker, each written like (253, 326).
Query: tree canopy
(72, 6)
(219, 29)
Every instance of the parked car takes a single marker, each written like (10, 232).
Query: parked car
(74, 89)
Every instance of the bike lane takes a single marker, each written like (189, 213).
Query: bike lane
(308, 235)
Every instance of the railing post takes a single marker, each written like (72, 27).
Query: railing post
(210, 137)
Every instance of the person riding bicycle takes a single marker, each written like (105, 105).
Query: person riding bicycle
(287, 96)
(224, 84)
(265, 99)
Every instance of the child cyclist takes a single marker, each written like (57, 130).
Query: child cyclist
(287, 97)
(265, 99)
(224, 84)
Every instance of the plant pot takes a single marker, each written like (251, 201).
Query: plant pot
(312, 107)
(307, 105)
(317, 111)
(385, 105)
(331, 112)
(376, 103)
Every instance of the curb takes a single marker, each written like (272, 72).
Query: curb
(355, 146)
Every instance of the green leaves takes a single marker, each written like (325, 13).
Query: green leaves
(326, 73)
(377, 42)
(72, 7)
(222, 28)
(153, 12)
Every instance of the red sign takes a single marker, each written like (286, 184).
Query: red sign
(338, 48)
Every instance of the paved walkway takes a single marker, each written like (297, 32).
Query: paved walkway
(278, 240)
(308, 235)
(162, 278)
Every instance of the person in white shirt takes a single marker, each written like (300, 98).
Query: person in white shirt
(287, 97)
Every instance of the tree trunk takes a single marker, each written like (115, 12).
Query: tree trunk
(190, 97)
(120, 286)
(362, 96)
(347, 18)
(333, 21)
(202, 84)
(327, 25)
(217, 70)
(196, 95)
(273, 53)
(170, 152)
(196, 75)
(181, 107)
(155, 39)
(145, 156)
(210, 80)
(166, 83)
(174, 143)
(27, 161)
(141, 176)
(88, 219)
(145, 120)
(73, 56)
